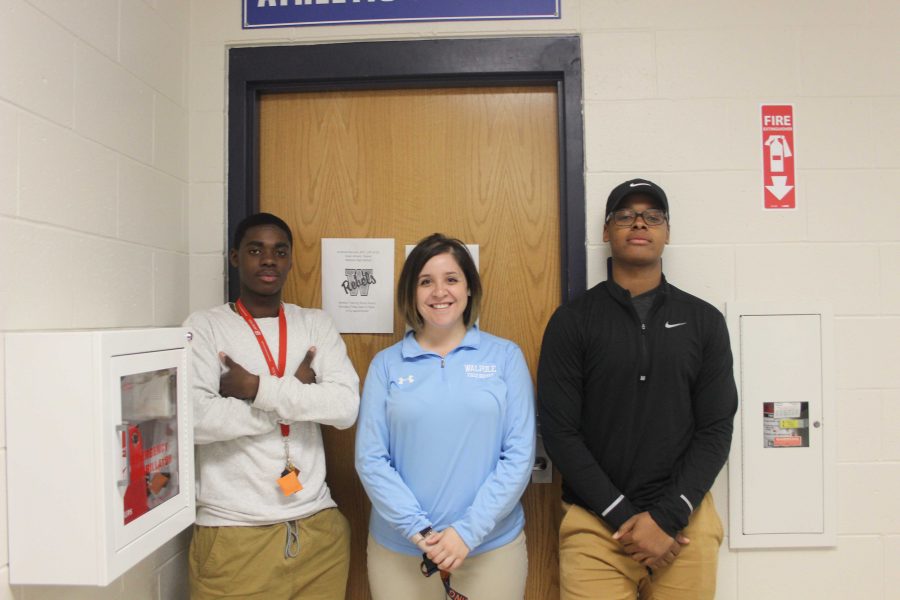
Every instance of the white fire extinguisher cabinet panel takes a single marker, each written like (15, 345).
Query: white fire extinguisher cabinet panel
(99, 451)
(781, 469)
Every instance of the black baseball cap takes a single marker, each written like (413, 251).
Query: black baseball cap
(632, 187)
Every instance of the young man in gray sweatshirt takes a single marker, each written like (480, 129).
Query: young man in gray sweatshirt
(266, 375)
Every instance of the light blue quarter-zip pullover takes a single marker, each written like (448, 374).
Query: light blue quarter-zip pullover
(447, 442)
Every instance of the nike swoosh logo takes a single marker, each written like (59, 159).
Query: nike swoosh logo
(671, 325)
(637, 184)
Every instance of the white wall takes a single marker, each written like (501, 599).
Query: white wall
(93, 195)
(102, 197)
(672, 92)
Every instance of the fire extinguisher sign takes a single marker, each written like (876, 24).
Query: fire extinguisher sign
(779, 185)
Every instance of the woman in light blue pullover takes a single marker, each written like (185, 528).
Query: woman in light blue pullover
(445, 441)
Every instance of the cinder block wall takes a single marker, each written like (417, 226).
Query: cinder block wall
(94, 197)
(672, 92)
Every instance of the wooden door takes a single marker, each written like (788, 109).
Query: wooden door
(480, 164)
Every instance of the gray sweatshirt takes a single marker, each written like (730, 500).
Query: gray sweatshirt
(239, 448)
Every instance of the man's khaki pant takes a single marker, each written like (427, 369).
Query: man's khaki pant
(250, 562)
(592, 565)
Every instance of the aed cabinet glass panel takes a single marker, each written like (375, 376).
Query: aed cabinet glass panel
(149, 436)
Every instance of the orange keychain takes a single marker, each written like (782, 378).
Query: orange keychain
(289, 482)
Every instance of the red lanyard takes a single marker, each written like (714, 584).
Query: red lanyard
(288, 481)
(278, 370)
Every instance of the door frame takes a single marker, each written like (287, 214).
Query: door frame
(508, 61)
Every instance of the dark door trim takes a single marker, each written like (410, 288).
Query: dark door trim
(412, 64)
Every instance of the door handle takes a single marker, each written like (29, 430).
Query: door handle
(542, 469)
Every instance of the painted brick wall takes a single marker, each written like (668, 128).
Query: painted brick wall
(94, 196)
(672, 90)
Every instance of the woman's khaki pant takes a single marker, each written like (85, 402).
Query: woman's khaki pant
(495, 575)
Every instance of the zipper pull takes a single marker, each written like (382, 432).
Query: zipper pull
(442, 362)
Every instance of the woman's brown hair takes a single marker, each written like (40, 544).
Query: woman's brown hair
(424, 251)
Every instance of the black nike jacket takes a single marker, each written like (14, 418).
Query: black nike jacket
(637, 416)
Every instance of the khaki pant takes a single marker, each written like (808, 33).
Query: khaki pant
(495, 575)
(592, 565)
(250, 563)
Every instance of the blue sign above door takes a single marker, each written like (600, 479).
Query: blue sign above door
(293, 13)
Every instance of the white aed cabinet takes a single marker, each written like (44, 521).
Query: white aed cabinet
(781, 471)
(99, 451)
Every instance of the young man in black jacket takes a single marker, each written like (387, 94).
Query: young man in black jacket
(637, 398)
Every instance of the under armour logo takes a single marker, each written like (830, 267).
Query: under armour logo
(403, 380)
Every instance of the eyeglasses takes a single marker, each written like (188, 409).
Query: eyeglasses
(626, 217)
